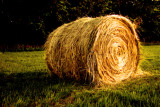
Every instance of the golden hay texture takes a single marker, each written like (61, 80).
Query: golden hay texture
(104, 50)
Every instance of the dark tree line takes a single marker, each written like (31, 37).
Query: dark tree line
(30, 21)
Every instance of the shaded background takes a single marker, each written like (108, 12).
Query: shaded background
(28, 22)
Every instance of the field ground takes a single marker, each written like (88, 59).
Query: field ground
(24, 81)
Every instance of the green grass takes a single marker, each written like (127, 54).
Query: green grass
(151, 58)
(25, 81)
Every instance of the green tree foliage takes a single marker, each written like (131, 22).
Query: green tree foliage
(145, 13)
(146, 10)
(30, 21)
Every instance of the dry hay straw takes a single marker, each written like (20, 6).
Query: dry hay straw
(103, 50)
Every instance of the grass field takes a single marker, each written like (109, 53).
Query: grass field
(24, 81)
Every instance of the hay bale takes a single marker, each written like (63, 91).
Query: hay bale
(103, 49)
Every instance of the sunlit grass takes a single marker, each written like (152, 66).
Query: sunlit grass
(151, 58)
(25, 81)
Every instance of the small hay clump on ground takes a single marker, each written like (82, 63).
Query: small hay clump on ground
(102, 50)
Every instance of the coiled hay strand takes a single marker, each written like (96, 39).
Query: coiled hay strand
(103, 49)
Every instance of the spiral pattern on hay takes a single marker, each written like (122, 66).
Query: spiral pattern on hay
(103, 49)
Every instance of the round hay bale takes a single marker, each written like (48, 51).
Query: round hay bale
(102, 50)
